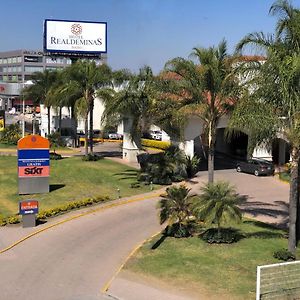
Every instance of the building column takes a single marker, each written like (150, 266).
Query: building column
(187, 147)
(130, 149)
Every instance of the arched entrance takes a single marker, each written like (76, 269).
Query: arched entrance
(280, 151)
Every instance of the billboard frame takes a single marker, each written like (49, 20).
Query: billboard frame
(72, 53)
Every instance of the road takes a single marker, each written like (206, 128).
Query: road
(73, 261)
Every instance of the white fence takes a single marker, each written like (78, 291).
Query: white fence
(278, 281)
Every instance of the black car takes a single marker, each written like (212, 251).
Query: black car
(256, 167)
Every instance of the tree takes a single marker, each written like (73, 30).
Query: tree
(175, 208)
(39, 90)
(217, 204)
(207, 90)
(132, 98)
(82, 79)
(272, 106)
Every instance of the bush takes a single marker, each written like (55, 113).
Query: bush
(11, 134)
(56, 210)
(164, 167)
(226, 236)
(284, 254)
(155, 144)
(181, 230)
(56, 140)
(91, 157)
(55, 156)
(70, 206)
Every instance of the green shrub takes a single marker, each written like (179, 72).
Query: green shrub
(70, 206)
(178, 230)
(224, 236)
(284, 254)
(91, 157)
(13, 220)
(56, 210)
(155, 144)
(11, 134)
(56, 140)
(55, 156)
(166, 167)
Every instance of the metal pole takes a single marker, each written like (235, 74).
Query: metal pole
(23, 102)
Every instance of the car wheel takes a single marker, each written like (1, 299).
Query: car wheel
(238, 169)
(256, 173)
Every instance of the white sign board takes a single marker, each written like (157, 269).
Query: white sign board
(75, 37)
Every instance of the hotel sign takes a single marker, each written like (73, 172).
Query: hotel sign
(62, 36)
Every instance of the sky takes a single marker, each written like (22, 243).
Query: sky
(141, 32)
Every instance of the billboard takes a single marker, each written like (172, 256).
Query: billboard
(75, 37)
(28, 207)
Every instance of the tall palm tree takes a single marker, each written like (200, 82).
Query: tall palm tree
(39, 90)
(131, 98)
(273, 104)
(206, 89)
(82, 79)
(218, 204)
(175, 207)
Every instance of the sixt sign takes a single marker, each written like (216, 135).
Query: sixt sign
(28, 207)
(33, 165)
(33, 162)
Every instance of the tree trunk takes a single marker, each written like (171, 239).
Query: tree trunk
(293, 201)
(86, 128)
(211, 151)
(91, 109)
(49, 119)
(59, 121)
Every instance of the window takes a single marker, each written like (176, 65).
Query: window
(1, 61)
(19, 59)
(32, 69)
(5, 69)
(9, 60)
(14, 60)
(4, 77)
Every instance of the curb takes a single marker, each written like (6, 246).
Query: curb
(107, 285)
(112, 205)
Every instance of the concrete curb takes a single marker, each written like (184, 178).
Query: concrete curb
(106, 287)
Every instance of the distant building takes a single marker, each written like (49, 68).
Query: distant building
(16, 69)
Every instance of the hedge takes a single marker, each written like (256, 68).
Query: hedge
(156, 144)
(56, 210)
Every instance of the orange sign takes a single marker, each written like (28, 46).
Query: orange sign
(33, 142)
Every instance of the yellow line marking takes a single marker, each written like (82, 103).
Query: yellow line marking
(107, 285)
(78, 216)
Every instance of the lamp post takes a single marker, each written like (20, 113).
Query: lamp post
(23, 104)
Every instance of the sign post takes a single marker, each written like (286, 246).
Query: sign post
(28, 210)
(33, 165)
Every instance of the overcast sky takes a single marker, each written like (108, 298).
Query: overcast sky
(140, 31)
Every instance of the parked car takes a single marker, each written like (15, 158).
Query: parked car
(115, 136)
(156, 135)
(256, 166)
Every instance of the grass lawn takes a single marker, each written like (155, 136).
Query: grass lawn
(223, 271)
(60, 150)
(70, 179)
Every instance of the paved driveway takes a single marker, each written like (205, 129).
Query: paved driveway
(75, 259)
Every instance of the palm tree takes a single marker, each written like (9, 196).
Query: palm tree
(272, 106)
(82, 79)
(131, 97)
(217, 204)
(207, 89)
(175, 207)
(38, 91)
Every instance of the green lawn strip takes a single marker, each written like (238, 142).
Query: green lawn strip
(224, 269)
(71, 179)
